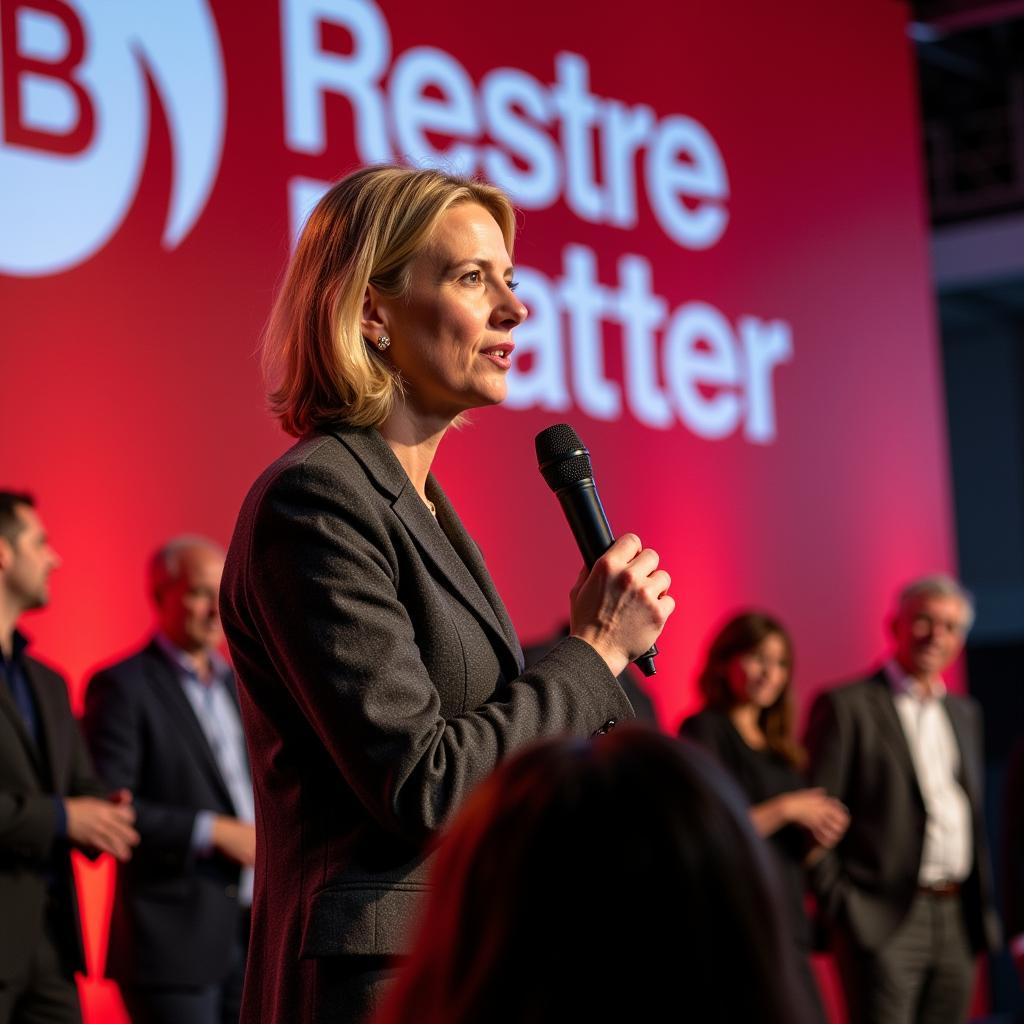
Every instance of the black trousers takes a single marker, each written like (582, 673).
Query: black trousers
(217, 1003)
(45, 993)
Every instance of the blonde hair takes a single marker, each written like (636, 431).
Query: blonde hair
(365, 230)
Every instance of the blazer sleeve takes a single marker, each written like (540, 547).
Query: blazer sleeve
(114, 730)
(326, 607)
(83, 779)
(28, 824)
(28, 821)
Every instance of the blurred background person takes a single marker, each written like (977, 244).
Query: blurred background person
(605, 879)
(908, 891)
(380, 675)
(164, 723)
(50, 798)
(748, 724)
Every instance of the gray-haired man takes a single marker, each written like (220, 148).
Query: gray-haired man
(908, 889)
(165, 723)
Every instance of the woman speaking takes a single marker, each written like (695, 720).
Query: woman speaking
(380, 676)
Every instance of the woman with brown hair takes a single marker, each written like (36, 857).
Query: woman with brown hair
(747, 723)
(379, 674)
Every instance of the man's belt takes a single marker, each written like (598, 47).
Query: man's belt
(940, 889)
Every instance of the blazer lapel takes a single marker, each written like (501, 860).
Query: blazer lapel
(50, 716)
(437, 549)
(890, 727)
(452, 558)
(10, 709)
(168, 689)
(471, 557)
(962, 732)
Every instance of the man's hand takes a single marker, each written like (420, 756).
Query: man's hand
(235, 839)
(103, 825)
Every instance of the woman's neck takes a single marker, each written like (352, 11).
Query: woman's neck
(414, 438)
(745, 719)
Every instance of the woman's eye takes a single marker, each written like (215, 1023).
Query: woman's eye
(513, 285)
(473, 277)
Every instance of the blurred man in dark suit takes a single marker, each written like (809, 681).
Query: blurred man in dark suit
(908, 889)
(50, 799)
(165, 723)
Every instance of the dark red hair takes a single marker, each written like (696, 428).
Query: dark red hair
(604, 879)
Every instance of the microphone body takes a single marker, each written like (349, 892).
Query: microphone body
(583, 509)
(565, 465)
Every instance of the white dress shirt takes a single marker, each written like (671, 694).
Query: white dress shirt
(948, 854)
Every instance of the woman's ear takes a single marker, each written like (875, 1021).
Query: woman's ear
(373, 323)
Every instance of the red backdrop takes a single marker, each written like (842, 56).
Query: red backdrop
(765, 409)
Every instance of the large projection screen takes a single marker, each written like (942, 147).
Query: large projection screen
(722, 245)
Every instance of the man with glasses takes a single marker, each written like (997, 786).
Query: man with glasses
(908, 889)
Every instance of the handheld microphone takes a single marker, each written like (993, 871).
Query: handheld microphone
(564, 463)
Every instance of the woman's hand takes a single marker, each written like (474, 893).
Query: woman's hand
(826, 818)
(621, 606)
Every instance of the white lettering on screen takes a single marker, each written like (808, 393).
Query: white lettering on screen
(546, 143)
(683, 170)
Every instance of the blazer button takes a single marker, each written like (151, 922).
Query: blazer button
(607, 727)
(231, 891)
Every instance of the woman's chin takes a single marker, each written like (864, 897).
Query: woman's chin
(492, 394)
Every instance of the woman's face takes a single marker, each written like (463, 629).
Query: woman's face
(760, 675)
(451, 332)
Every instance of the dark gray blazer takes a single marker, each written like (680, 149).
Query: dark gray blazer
(34, 867)
(380, 679)
(176, 916)
(859, 753)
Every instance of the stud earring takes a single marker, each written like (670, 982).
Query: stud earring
(383, 342)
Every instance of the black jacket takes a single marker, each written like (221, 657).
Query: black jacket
(34, 868)
(176, 916)
(859, 753)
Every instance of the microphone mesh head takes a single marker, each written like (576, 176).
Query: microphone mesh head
(562, 457)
